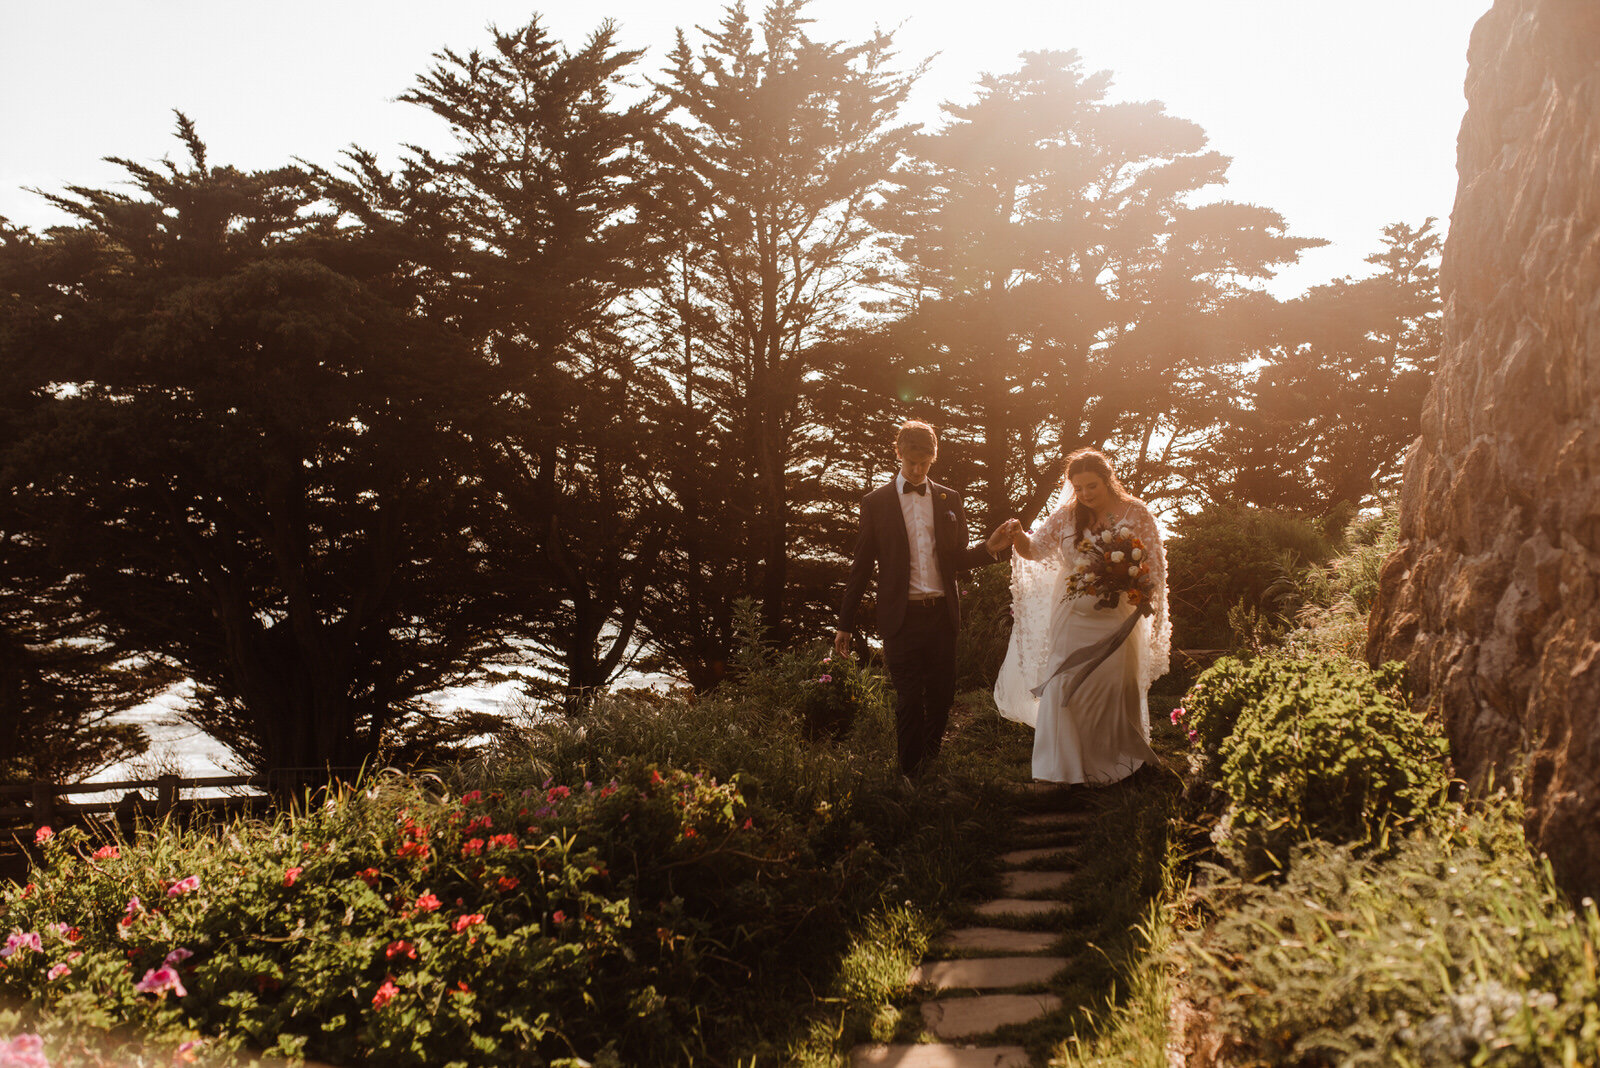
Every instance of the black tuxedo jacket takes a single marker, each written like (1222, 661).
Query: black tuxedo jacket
(885, 545)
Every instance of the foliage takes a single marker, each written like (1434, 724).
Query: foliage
(781, 140)
(1057, 284)
(1316, 747)
(627, 913)
(830, 702)
(249, 460)
(1339, 595)
(1456, 949)
(1227, 555)
(985, 627)
(1336, 394)
(532, 233)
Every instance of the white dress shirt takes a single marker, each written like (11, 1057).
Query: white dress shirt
(917, 509)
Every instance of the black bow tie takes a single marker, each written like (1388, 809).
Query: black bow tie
(920, 487)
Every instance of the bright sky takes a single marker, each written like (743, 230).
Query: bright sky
(1341, 116)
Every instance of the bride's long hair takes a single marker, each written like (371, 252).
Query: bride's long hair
(1091, 462)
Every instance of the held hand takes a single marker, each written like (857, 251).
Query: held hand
(841, 642)
(1003, 535)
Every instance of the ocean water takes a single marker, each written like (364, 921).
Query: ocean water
(180, 748)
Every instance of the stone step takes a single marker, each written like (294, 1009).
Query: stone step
(1019, 857)
(930, 1055)
(951, 1018)
(985, 973)
(1057, 820)
(1017, 883)
(1008, 906)
(996, 940)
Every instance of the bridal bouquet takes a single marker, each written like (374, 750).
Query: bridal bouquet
(1114, 562)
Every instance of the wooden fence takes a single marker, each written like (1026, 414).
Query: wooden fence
(43, 805)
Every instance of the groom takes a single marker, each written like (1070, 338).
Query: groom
(915, 531)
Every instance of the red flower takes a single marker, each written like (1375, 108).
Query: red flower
(471, 796)
(482, 823)
(426, 902)
(43, 835)
(472, 847)
(291, 875)
(558, 916)
(507, 883)
(690, 832)
(108, 852)
(461, 988)
(394, 949)
(503, 841)
(385, 993)
(412, 849)
(370, 876)
(463, 922)
(557, 793)
(655, 776)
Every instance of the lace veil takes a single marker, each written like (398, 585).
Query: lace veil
(1037, 590)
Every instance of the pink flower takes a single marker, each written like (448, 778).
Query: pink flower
(186, 1052)
(1193, 734)
(184, 886)
(370, 876)
(177, 957)
(557, 793)
(463, 922)
(471, 796)
(402, 947)
(17, 941)
(558, 916)
(1177, 714)
(108, 852)
(43, 835)
(472, 847)
(134, 906)
(291, 875)
(24, 1051)
(57, 972)
(385, 993)
(426, 902)
(482, 823)
(159, 981)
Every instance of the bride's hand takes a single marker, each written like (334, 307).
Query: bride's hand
(1004, 535)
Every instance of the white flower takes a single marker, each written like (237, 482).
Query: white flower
(1137, 554)
(1116, 557)
(1133, 570)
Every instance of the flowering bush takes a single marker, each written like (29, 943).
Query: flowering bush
(1316, 747)
(395, 926)
(830, 701)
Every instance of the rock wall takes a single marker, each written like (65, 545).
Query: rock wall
(1493, 597)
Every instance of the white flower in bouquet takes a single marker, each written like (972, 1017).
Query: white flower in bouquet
(1133, 570)
(1137, 554)
(1116, 557)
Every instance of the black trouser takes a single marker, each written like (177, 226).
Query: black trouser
(922, 665)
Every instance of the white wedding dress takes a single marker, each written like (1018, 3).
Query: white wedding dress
(1102, 734)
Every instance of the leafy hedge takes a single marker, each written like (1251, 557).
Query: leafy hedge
(1318, 746)
(1456, 949)
(401, 927)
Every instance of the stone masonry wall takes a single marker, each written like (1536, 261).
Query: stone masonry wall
(1493, 597)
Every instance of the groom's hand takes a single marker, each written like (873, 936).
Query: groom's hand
(1002, 537)
(841, 642)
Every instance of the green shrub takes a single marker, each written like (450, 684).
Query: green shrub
(1339, 595)
(394, 926)
(831, 699)
(1457, 949)
(985, 628)
(1310, 747)
(1228, 555)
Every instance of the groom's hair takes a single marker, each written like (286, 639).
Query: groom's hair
(915, 436)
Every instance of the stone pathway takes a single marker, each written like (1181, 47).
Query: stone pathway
(981, 978)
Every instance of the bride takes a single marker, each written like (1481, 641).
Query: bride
(1100, 733)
